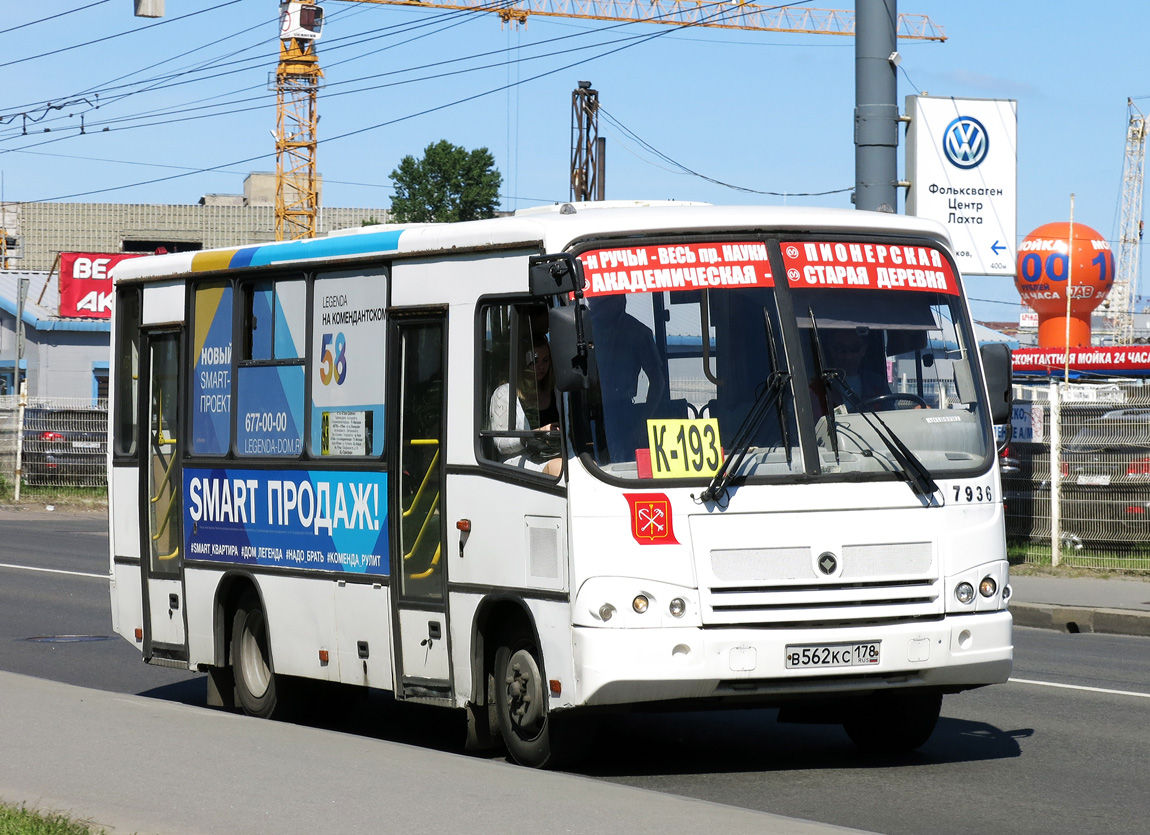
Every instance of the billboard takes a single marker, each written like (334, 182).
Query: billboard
(962, 164)
(86, 283)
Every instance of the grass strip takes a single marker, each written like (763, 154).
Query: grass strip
(18, 820)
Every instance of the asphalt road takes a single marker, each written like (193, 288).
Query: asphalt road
(1061, 748)
(55, 614)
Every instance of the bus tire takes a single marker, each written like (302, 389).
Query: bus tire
(893, 723)
(251, 660)
(521, 702)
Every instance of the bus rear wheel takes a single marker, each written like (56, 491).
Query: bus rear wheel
(251, 660)
(893, 723)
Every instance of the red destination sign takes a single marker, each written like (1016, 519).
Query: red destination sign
(868, 266)
(650, 269)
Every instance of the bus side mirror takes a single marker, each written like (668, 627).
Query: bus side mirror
(998, 368)
(569, 328)
(552, 275)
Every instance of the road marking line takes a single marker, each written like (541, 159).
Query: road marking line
(1081, 687)
(57, 571)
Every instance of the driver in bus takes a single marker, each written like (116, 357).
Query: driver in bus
(846, 349)
(536, 407)
(629, 348)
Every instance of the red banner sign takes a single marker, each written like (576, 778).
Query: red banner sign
(648, 269)
(86, 283)
(1112, 358)
(868, 266)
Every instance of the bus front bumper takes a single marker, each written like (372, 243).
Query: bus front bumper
(624, 666)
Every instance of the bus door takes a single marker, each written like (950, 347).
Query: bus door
(164, 613)
(416, 486)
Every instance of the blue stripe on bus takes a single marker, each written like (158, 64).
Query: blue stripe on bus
(342, 245)
(243, 257)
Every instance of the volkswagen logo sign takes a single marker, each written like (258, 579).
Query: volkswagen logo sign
(828, 563)
(965, 142)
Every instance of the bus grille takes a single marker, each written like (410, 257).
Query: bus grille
(776, 586)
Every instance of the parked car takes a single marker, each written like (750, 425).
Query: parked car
(65, 447)
(1106, 480)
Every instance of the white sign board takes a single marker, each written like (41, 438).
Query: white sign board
(1027, 423)
(962, 164)
(349, 337)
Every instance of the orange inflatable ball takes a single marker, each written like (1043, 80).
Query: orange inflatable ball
(1050, 270)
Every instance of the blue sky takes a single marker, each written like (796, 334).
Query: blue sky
(766, 111)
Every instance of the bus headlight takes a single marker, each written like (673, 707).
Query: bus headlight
(606, 611)
(677, 607)
(640, 603)
(987, 587)
(964, 592)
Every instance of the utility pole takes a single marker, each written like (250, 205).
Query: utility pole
(876, 108)
(3, 226)
(588, 149)
(21, 385)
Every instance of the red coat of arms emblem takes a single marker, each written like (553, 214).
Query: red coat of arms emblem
(651, 522)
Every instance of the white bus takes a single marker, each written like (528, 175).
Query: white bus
(584, 458)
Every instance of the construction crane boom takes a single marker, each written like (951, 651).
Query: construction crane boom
(799, 21)
(1122, 294)
(298, 75)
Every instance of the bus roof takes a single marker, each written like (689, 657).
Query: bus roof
(548, 229)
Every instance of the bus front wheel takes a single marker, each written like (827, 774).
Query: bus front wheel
(251, 660)
(522, 702)
(893, 723)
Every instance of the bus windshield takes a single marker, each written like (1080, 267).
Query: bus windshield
(869, 345)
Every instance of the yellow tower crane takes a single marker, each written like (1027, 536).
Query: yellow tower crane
(297, 81)
(298, 74)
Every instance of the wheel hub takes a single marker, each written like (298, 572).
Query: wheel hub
(524, 690)
(253, 667)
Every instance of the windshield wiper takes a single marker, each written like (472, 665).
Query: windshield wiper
(773, 386)
(826, 374)
(913, 470)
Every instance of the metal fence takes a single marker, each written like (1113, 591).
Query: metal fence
(1076, 475)
(64, 442)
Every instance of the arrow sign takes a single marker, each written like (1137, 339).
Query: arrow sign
(997, 246)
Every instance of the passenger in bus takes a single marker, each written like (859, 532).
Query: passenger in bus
(846, 349)
(627, 347)
(536, 408)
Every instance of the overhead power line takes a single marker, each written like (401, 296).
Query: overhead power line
(107, 38)
(36, 112)
(82, 8)
(357, 132)
(686, 170)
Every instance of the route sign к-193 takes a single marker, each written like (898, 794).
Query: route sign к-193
(962, 164)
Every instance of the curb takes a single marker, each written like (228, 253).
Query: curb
(1081, 619)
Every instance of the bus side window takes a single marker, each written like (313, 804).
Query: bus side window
(270, 377)
(519, 403)
(212, 369)
(273, 327)
(127, 372)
